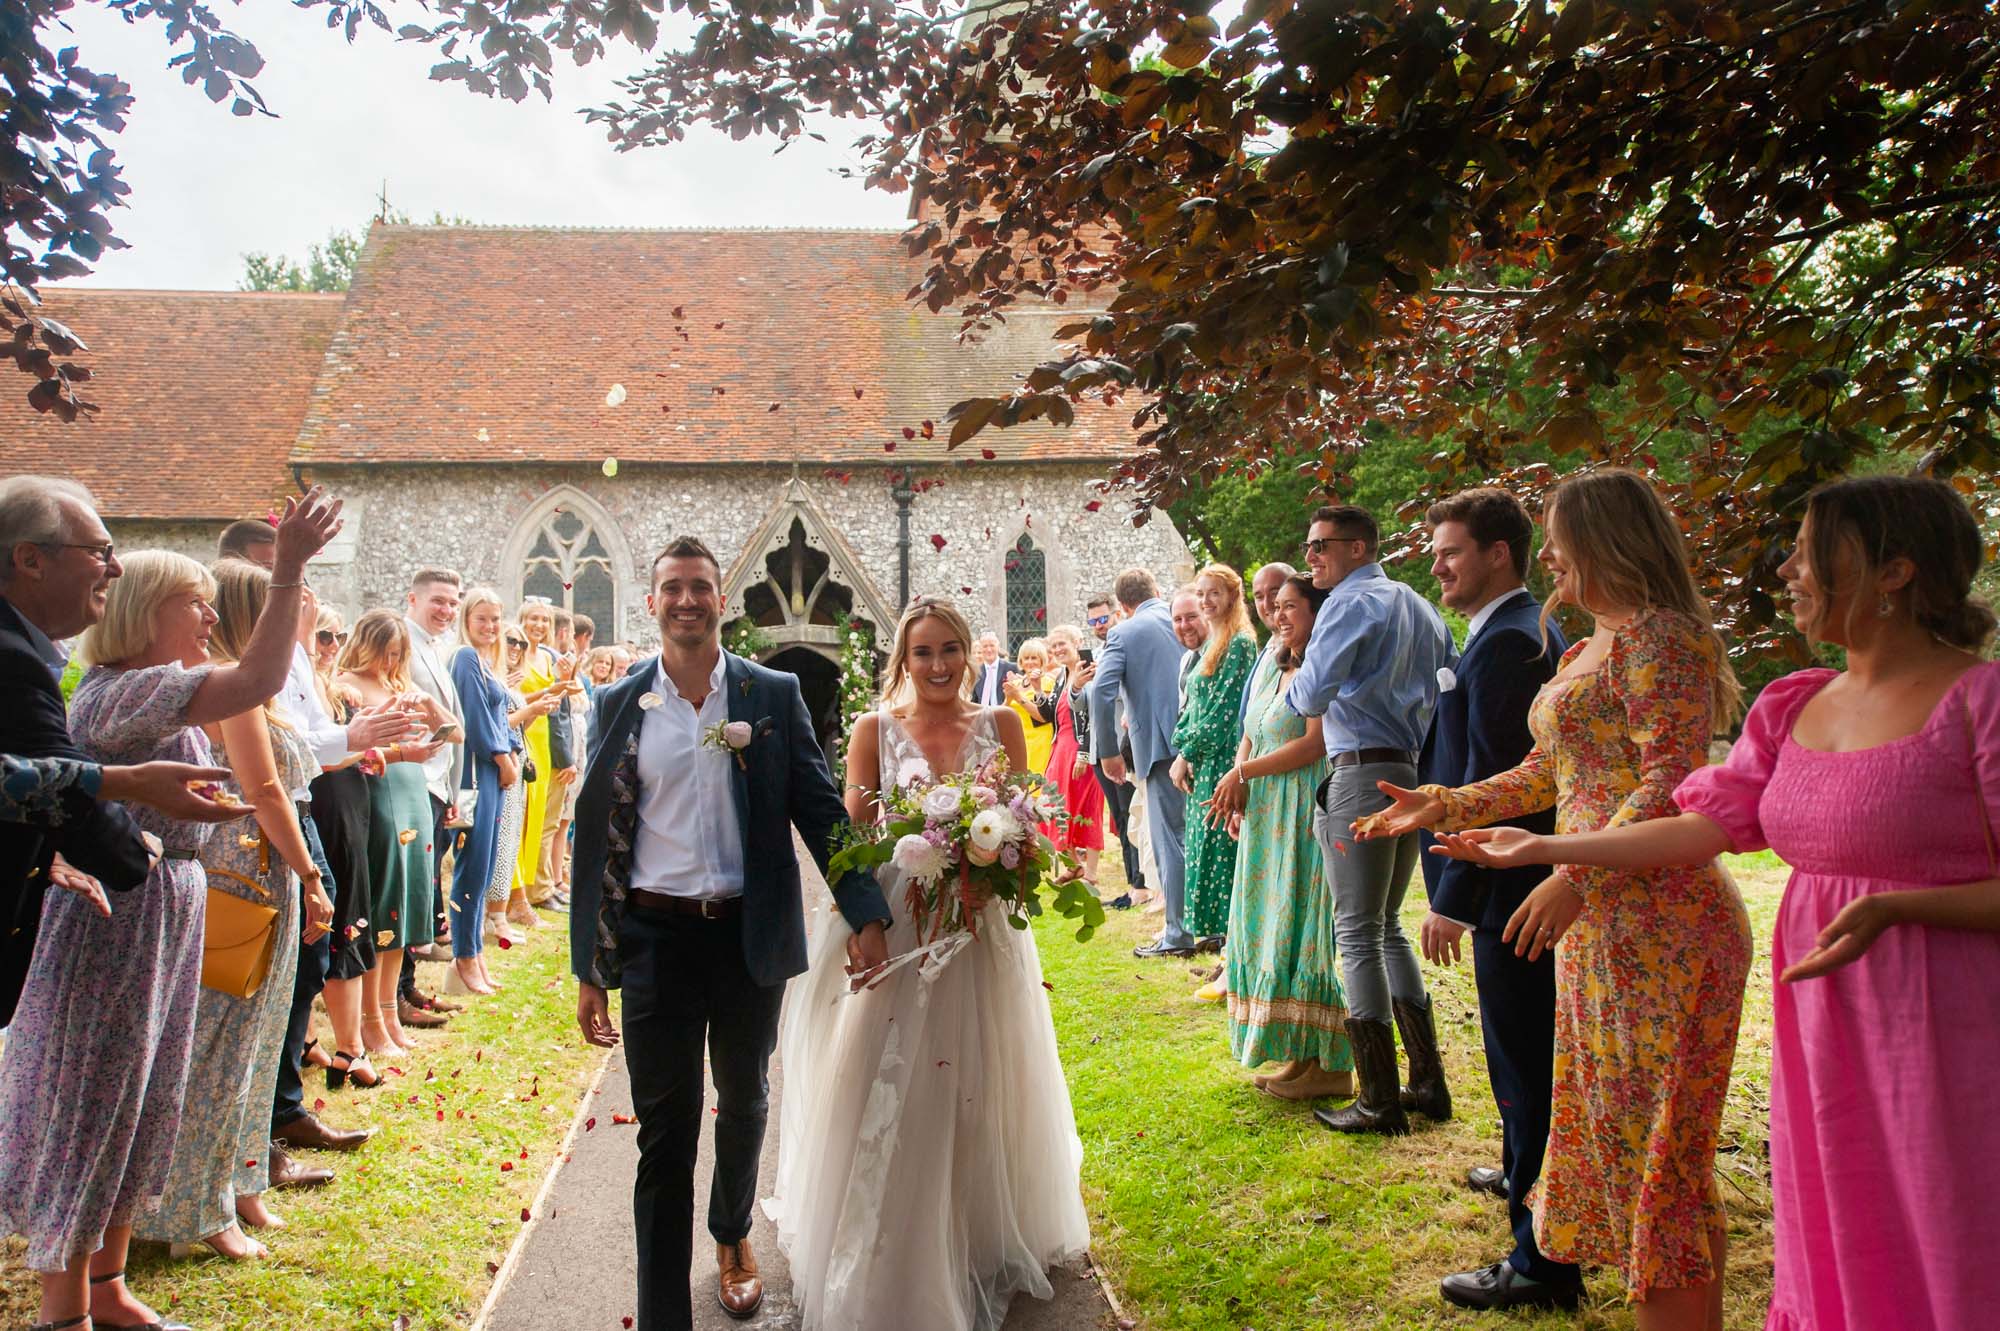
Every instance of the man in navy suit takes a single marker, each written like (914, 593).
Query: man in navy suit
(1140, 670)
(686, 895)
(1479, 544)
(989, 685)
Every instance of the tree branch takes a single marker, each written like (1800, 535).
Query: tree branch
(1922, 203)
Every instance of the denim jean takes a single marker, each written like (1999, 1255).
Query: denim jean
(289, 1104)
(1369, 880)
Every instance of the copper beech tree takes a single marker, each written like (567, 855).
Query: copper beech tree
(1754, 242)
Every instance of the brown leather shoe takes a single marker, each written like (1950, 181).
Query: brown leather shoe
(741, 1290)
(309, 1132)
(410, 1014)
(289, 1173)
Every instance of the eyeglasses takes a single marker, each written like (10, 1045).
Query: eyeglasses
(327, 637)
(103, 550)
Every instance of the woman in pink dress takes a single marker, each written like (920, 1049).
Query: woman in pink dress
(1880, 785)
(1082, 833)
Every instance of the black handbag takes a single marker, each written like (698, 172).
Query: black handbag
(528, 772)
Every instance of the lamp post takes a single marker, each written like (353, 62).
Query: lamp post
(902, 492)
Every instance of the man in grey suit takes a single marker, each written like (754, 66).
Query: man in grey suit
(1140, 664)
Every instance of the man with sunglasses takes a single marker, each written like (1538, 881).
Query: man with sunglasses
(1098, 614)
(1371, 674)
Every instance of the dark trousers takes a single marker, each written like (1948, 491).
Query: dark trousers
(1517, 1015)
(1118, 799)
(288, 1105)
(686, 986)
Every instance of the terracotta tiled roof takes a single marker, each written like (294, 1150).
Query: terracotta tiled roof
(486, 344)
(202, 393)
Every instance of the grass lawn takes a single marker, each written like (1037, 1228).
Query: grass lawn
(1215, 1207)
(416, 1221)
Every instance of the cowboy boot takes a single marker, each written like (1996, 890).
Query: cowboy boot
(1426, 1093)
(1379, 1107)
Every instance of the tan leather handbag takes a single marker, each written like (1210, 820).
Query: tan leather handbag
(239, 939)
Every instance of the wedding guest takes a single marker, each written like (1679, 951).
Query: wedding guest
(1117, 794)
(600, 668)
(329, 636)
(375, 666)
(621, 660)
(1082, 832)
(1264, 586)
(492, 770)
(1139, 668)
(1371, 673)
(432, 610)
(51, 792)
(330, 812)
(1191, 630)
(97, 1056)
(507, 894)
(1030, 693)
(253, 540)
(56, 568)
(990, 680)
(1283, 986)
(1480, 543)
(220, 1163)
(1651, 967)
(343, 808)
(548, 750)
(583, 632)
(577, 703)
(1205, 737)
(1880, 783)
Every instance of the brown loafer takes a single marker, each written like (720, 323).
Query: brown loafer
(309, 1132)
(740, 1290)
(411, 1015)
(289, 1173)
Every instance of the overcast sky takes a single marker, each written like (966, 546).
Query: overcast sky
(207, 187)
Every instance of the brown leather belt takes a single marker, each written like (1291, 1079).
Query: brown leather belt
(701, 908)
(1359, 757)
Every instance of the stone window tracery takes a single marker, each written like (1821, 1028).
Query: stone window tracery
(1027, 577)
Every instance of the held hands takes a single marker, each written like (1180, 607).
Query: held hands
(1851, 933)
(308, 523)
(1543, 918)
(1412, 811)
(1440, 939)
(867, 954)
(593, 1016)
(1228, 799)
(1494, 847)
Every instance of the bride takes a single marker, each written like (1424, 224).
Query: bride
(928, 1158)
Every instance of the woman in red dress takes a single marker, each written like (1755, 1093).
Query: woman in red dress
(1069, 765)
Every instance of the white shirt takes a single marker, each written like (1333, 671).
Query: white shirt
(309, 716)
(429, 672)
(689, 842)
(1486, 612)
(989, 685)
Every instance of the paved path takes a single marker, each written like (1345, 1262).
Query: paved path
(576, 1270)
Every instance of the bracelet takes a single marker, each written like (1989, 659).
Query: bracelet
(283, 586)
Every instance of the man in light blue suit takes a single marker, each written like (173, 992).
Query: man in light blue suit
(1140, 664)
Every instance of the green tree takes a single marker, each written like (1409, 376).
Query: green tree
(327, 267)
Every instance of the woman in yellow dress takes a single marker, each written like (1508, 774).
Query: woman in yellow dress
(1032, 692)
(541, 673)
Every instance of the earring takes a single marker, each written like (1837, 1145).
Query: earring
(1885, 607)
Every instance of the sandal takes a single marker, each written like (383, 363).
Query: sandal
(314, 1056)
(111, 1326)
(346, 1066)
(63, 1325)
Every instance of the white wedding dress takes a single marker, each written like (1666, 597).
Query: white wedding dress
(927, 1158)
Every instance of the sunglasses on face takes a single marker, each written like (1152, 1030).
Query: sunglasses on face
(1320, 545)
(1095, 620)
(518, 644)
(327, 637)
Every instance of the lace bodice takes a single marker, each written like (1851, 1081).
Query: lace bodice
(903, 762)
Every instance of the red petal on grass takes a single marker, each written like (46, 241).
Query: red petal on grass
(526, 1214)
(493, 1268)
(506, 1166)
(504, 942)
(589, 1123)
(478, 1054)
(1046, 985)
(318, 1105)
(395, 1071)
(440, 1114)
(524, 1153)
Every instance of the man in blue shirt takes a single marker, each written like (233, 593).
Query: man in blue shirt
(1371, 674)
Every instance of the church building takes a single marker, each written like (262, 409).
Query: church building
(543, 408)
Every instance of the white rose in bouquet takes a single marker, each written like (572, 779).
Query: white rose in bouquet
(991, 828)
(940, 803)
(919, 858)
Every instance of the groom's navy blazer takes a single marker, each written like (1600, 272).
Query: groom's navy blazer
(1480, 729)
(781, 783)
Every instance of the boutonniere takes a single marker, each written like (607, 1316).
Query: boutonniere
(743, 685)
(732, 737)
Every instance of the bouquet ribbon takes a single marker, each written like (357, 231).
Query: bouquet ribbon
(930, 959)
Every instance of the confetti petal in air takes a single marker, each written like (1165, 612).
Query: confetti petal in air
(610, 467)
(615, 396)
(937, 541)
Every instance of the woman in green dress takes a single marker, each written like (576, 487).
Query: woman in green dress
(375, 666)
(1205, 737)
(1285, 1002)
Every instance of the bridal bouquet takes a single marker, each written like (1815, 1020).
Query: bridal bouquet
(966, 839)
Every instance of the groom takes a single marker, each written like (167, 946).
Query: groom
(687, 895)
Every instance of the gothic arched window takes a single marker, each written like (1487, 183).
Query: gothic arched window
(1027, 573)
(565, 558)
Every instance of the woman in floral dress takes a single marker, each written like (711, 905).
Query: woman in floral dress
(96, 1061)
(1651, 967)
(1205, 737)
(221, 1158)
(1285, 1001)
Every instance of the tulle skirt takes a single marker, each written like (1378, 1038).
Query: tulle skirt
(928, 1157)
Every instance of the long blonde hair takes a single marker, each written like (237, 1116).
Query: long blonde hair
(368, 643)
(241, 591)
(150, 577)
(1627, 549)
(1235, 621)
(495, 657)
(897, 690)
